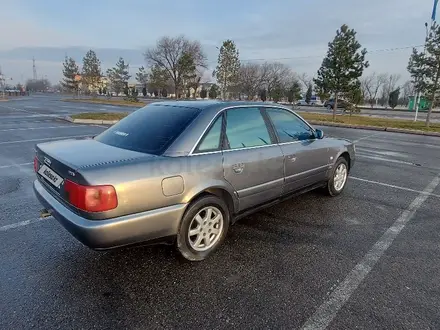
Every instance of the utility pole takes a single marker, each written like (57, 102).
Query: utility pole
(34, 69)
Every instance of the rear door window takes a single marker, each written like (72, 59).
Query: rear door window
(151, 129)
(245, 128)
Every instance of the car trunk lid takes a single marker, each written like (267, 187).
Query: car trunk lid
(61, 160)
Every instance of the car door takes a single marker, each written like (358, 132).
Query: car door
(252, 160)
(306, 158)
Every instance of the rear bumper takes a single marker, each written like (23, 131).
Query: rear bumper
(115, 232)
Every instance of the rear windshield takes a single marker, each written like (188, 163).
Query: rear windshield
(151, 129)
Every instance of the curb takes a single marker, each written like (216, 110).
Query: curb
(88, 121)
(375, 128)
(138, 105)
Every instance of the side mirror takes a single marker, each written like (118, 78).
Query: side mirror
(319, 134)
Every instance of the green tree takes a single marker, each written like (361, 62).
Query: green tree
(228, 66)
(142, 76)
(213, 92)
(104, 90)
(144, 91)
(119, 75)
(355, 97)
(263, 95)
(70, 72)
(126, 90)
(393, 100)
(167, 54)
(309, 94)
(277, 92)
(187, 68)
(157, 79)
(203, 93)
(91, 71)
(424, 68)
(342, 66)
(294, 92)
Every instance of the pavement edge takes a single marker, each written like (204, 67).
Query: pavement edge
(375, 128)
(88, 121)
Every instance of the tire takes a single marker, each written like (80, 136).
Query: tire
(187, 245)
(333, 189)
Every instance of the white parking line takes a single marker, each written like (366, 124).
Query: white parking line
(393, 186)
(21, 224)
(329, 309)
(36, 128)
(16, 109)
(45, 139)
(388, 160)
(15, 165)
(367, 137)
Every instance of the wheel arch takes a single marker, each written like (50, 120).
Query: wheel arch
(346, 155)
(220, 190)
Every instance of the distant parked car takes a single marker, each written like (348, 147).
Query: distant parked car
(182, 172)
(313, 101)
(342, 104)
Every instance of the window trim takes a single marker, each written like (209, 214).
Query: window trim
(196, 150)
(273, 139)
(295, 115)
(261, 106)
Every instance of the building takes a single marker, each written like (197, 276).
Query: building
(102, 84)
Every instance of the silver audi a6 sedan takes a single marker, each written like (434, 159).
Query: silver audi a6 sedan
(182, 172)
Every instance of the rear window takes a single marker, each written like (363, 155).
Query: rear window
(151, 129)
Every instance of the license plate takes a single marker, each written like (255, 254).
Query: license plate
(50, 176)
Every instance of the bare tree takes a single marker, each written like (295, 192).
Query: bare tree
(388, 86)
(249, 79)
(306, 80)
(408, 90)
(168, 53)
(370, 86)
(273, 75)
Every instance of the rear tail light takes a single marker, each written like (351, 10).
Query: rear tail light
(91, 198)
(36, 164)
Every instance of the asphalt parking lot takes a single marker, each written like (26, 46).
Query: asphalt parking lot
(368, 259)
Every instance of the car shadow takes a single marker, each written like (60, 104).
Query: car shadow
(151, 285)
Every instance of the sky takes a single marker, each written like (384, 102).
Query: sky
(294, 32)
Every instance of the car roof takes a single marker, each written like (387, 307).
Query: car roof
(210, 104)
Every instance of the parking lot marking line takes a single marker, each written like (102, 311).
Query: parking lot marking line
(367, 137)
(45, 139)
(393, 186)
(12, 108)
(330, 308)
(36, 128)
(15, 165)
(389, 160)
(21, 224)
